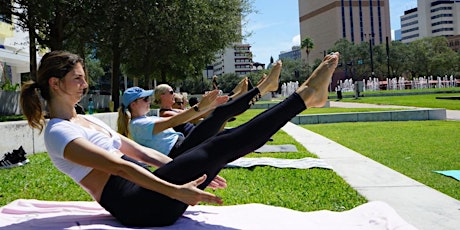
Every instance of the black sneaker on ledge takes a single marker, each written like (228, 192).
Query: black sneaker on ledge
(14, 159)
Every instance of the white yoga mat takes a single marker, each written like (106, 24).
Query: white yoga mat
(50, 215)
(276, 148)
(303, 163)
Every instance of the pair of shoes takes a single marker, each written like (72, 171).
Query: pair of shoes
(16, 158)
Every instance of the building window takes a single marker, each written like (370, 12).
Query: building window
(409, 17)
(441, 8)
(442, 23)
(442, 29)
(410, 36)
(409, 30)
(409, 24)
(442, 16)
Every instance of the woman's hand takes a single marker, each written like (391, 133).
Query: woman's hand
(218, 182)
(211, 99)
(191, 195)
(208, 100)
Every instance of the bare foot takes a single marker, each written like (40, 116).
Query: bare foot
(261, 79)
(314, 90)
(270, 83)
(241, 88)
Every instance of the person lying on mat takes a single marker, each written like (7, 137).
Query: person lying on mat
(108, 165)
(156, 133)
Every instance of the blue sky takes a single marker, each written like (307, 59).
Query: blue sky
(275, 26)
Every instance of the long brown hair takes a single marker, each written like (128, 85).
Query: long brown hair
(124, 116)
(53, 64)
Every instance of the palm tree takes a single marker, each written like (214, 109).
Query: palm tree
(308, 44)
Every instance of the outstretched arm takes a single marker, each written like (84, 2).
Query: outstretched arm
(143, 154)
(157, 159)
(207, 103)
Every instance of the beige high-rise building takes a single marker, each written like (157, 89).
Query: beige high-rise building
(431, 18)
(327, 21)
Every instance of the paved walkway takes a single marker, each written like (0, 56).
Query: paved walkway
(420, 205)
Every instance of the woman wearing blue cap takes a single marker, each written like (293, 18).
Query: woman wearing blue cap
(106, 164)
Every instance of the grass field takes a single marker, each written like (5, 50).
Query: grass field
(304, 190)
(413, 148)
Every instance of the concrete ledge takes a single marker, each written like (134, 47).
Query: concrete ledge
(269, 105)
(399, 115)
(16, 133)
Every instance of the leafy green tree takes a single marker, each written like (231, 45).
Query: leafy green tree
(255, 77)
(228, 81)
(172, 39)
(307, 44)
(194, 84)
(293, 70)
(94, 70)
(180, 37)
(399, 57)
(441, 57)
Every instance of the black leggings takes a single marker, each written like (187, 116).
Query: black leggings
(133, 205)
(213, 123)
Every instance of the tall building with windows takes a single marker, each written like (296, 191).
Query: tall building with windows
(431, 18)
(328, 21)
(293, 54)
(235, 59)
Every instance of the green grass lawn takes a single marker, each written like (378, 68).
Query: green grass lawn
(299, 189)
(413, 148)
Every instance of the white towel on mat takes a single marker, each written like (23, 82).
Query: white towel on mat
(303, 163)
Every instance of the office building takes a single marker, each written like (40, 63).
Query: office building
(431, 18)
(293, 54)
(234, 59)
(328, 21)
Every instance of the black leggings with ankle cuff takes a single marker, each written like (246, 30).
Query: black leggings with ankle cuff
(133, 205)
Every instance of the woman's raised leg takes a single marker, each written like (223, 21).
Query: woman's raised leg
(213, 123)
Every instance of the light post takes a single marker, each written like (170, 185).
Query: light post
(371, 39)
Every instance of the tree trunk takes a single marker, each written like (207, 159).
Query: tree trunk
(116, 76)
(32, 48)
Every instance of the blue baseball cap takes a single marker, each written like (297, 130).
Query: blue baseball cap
(133, 93)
